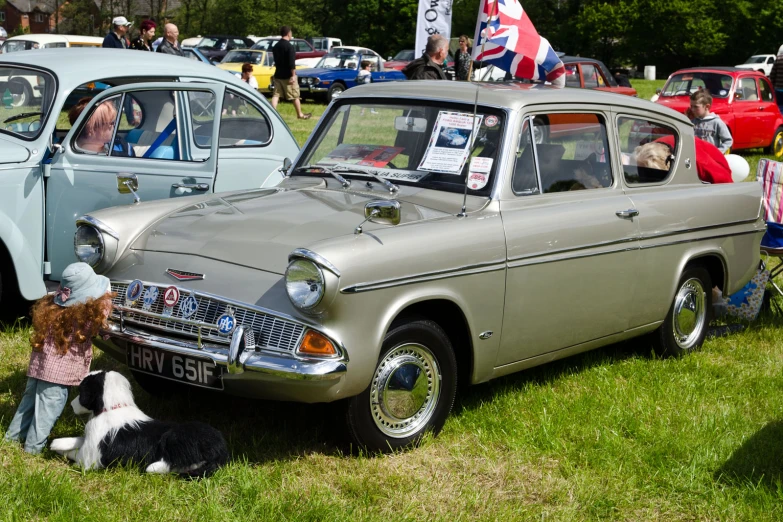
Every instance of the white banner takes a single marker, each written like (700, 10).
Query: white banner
(434, 18)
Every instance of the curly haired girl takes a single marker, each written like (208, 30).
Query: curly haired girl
(63, 328)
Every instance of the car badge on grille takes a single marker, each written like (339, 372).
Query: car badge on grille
(226, 322)
(134, 291)
(150, 296)
(188, 307)
(170, 298)
(181, 275)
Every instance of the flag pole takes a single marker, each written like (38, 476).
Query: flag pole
(474, 132)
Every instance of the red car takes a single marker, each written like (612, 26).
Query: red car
(745, 101)
(588, 73)
(403, 58)
(302, 47)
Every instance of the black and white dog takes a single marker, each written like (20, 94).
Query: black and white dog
(118, 432)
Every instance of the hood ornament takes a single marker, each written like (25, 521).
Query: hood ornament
(181, 275)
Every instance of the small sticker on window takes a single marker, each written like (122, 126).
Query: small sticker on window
(478, 173)
(491, 121)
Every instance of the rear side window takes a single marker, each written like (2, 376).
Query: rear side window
(242, 123)
(647, 149)
(25, 101)
(766, 90)
(572, 76)
(561, 153)
(590, 75)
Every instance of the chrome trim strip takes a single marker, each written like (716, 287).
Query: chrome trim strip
(574, 249)
(699, 229)
(278, 365)
(318, 259)
(536, 260)
(670, 243)
(100, 225)
(480, 268)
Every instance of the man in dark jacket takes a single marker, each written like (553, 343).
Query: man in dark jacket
(116, 37)
(170, 45)
(427, 67)
(776, 77)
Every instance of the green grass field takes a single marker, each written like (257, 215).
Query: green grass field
(613, 434)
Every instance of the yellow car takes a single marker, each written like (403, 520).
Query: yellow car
(263, 65)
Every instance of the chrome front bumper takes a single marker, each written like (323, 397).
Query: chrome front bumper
(310, 88)
(235, 361)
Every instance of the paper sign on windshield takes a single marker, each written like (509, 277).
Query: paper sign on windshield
(478, 172)
(450, 142)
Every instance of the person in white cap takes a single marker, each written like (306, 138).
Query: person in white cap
(116, 37)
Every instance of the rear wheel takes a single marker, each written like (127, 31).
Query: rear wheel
(686, 323)
(776, 147)
(411, 392)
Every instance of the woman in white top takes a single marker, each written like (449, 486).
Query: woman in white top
(247, 75)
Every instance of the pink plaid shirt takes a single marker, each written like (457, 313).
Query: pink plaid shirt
(68, 370)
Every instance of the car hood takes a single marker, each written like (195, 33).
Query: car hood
(319, 72)
(259, 228)
(395, 64)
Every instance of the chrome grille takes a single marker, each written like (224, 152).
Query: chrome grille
(269, 332)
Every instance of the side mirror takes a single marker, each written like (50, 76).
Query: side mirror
(383, 212)
(286, 166)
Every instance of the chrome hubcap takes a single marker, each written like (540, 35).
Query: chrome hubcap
(778, 149)
(336, 93)
(690, 313)
(405, 390)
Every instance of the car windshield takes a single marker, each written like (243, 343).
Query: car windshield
(756, 59)
(26, 97)
(685, 84)
(243, 57)
(264, 44)
(339, 61)
(12, 46)
(418, 143)
(404, 56)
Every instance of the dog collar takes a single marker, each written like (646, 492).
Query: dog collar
(115, 407)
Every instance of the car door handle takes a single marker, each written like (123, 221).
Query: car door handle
(626, 214)
(194, 186)
(761, 108)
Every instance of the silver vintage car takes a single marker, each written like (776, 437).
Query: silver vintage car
(417, 245)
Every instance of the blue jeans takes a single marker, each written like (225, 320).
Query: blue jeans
(41, 406)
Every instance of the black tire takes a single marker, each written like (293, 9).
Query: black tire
(157, 386)
(775, 148)
(416, 356)
(540, 129)
(23, 92)
(686, 323)
(335, 91)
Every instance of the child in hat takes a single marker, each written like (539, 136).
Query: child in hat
(63, 328)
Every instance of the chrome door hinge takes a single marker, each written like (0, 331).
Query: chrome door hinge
(46, 169)
(47, 268)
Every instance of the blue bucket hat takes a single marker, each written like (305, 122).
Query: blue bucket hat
(79, 282)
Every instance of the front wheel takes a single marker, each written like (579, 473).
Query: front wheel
(335, 91)
(412, 389)
(776, 147)
(685, 325)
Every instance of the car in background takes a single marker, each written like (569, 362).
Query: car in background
(390, 268)
(189, 43)
(744, 100)
(338, 70)
(403, 58)
(170, 139)
(26, 42)
(194, 53)
(262, 61)
(759, 62)
(324, 43)
(343, 49)
(215, 47)
(302, 47)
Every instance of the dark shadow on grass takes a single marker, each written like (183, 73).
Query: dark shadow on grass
(473, 396)
(758, 461)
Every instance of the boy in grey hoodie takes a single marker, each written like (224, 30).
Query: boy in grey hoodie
(708, 126)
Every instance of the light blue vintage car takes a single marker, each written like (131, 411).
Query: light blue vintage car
(153, 134)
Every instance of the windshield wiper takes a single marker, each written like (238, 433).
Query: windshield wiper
(385, 182)
(22, 116)
(344, 182)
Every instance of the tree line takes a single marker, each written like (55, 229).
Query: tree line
(668, 34)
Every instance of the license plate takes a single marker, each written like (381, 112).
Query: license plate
(196, 371)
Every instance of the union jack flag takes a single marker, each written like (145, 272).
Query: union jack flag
(506, 38)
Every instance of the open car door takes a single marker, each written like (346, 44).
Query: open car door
(137, 142)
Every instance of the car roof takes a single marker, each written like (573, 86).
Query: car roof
(225, 36)
(74, 67)
(572, 59)
(512, 95)
(717, 68)
(49, 38)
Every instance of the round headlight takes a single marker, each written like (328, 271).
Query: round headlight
(304, 283)
(88, 245)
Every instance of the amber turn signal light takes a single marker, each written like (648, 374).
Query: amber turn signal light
(314, 343)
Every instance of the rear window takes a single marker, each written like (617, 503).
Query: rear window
(686, 84)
